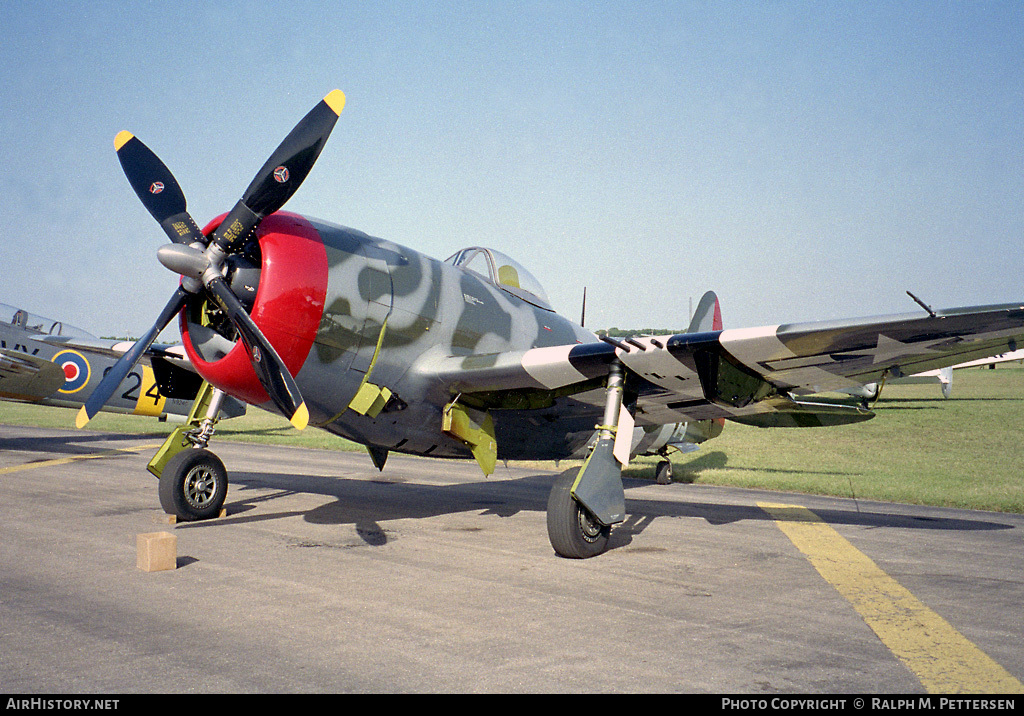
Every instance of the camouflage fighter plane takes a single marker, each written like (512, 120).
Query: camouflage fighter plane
(465, 357)
(52, 363)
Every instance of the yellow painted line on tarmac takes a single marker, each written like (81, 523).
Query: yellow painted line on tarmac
(74, 458)
(940, 656)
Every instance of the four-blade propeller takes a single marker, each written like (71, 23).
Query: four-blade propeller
(201, 262)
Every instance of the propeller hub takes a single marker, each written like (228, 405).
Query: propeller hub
(184, 260)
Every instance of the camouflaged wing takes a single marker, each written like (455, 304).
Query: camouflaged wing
(27, 377)
(748, 374)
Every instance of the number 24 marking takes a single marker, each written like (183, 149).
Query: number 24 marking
(133, 390)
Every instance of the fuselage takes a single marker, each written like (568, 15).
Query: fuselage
(390, 313)
(345, 309)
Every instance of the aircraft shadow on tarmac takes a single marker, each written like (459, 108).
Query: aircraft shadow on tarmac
(70, 443)
(367, 504)
(690, 471)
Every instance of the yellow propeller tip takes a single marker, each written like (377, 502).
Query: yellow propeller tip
(82, 418)
(336, 101)
(301, 418)
(121, 139)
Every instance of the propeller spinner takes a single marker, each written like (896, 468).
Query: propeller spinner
(201, 263)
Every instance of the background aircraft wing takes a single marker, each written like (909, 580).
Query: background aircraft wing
(26, 377)
(752, 375)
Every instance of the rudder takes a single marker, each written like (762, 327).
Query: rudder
(708, 316)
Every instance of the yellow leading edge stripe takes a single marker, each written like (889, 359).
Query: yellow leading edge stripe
(942, 658)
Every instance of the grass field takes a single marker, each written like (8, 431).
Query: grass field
(921, 449)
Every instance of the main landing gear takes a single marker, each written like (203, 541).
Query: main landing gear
(584, 503)
(193, 485)
(573, 530)
(193, 481)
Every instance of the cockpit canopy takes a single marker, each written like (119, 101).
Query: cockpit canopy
(503, 272)
(38, 324)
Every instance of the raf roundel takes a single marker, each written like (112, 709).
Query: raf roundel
(76, 370)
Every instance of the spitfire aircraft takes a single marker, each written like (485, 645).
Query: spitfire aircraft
(465, 357)
(52, 363)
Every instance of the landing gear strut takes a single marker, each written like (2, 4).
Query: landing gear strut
(193, 481)
(585, 503)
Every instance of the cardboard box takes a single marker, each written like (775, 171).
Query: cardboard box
(157, 551)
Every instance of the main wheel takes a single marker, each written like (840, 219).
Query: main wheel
(573, 531)
(193, 485)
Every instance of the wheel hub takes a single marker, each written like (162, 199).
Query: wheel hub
(590, 528)
(200, 487)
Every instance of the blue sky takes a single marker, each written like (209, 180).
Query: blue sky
(807, 161)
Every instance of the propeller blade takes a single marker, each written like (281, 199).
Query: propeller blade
(270, 369)
(125, 363)
(283, 173)
(157, 188)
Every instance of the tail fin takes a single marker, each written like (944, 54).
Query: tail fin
(708, 316)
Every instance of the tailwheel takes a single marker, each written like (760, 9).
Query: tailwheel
(572, 529)
(663, 473)
(193, 485)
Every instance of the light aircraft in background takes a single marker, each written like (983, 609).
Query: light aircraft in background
(943, 376)
(465, 357)
(49, 362)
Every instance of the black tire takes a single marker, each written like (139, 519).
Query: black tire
(193, 485)
(573, 531)
(663, 473)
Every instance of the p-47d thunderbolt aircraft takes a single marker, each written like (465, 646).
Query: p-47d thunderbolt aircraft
(465, 357)
(52, 363)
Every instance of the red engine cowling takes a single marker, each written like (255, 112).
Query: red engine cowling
(288, 306)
